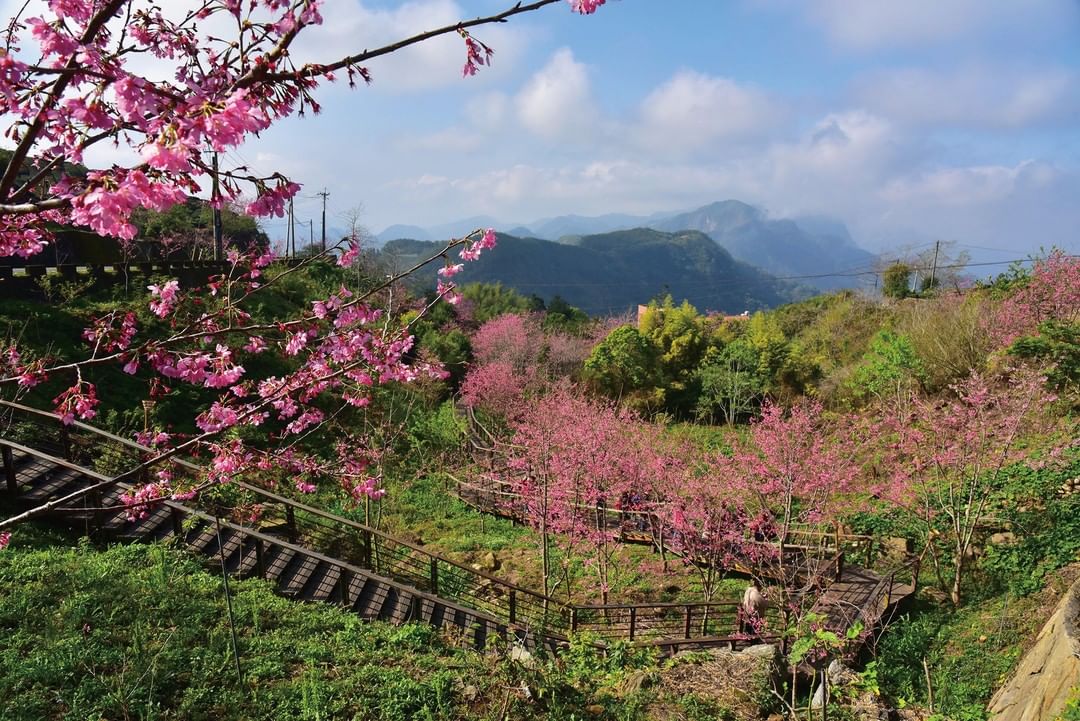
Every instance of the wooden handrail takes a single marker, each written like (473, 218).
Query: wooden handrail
(273, 497)
(274, 540)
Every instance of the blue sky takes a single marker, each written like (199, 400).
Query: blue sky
(910, 121)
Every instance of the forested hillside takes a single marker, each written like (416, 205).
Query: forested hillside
(614, 272)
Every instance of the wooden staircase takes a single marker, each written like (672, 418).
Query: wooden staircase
(295, 571)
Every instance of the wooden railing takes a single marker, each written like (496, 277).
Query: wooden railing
(105, 458)
(829, 544)
(257, 541)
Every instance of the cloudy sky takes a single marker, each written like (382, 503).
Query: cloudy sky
(911, 121)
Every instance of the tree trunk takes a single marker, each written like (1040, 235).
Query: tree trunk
(958, 569)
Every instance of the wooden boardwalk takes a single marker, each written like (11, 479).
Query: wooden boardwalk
(845, 594)
(312, 555)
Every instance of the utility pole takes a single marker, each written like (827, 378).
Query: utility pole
(933, 270)
(215, 195)
(290, 233)
(324, 195)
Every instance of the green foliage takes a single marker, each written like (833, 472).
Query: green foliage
(1048, 524)
(625, 366)
(453, 349)
(1057, 346)
(731, 383)
(560, 315)
(141, 632)
(680, 337)
(583, 662)
(490, 300)
(1071, 712)
(890, 368)
(194, 220)
(896, 281)
(965, 670)
(436, 433)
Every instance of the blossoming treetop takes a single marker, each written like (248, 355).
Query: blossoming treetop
(69, 81)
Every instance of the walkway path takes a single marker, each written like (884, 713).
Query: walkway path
(79, 473)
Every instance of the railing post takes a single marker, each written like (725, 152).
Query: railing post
(513, 605)
(633, 621)
(260, 562)
(98, 513)
(177, 522)
(573, 619)
(65, 442)
(434, 576)
(344, 581)
(290, 522)
(9, 470)
(366, 548)
(686, 621)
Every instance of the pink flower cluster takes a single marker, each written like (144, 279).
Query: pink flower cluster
(165, 298)
(78, 401)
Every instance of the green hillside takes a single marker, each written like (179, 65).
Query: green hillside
(611, 272)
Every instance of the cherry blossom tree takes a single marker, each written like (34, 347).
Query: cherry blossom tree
(70, 79)
(797, 466)
(947, 458)
(1052, 292)
(575, 461)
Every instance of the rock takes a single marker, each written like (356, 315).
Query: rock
(519, 654)
(841, 675)
(632, 683)
(895, 545)
(489, 562)
(766, 651)
(1005, 538)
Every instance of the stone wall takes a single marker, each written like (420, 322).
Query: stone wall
(1040, 686)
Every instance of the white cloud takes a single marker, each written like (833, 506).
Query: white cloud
(972, 96)
(450, 140)
(693, 110)
(556, 103)
(488, 111)
(877, 24)
(969, 186)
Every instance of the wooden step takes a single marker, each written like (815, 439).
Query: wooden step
(201, 538)
(387, 604)
(302, 569)
(244, 562)
(50, 482)
(281, 559)
(327, 587)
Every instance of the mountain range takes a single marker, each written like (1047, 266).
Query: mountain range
(814, 250)
(609, 273)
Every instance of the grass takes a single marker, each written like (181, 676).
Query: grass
(970, 651)
(141, 632)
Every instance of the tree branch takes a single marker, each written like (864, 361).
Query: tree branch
(311, 70)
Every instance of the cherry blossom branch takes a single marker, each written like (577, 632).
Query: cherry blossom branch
(314, 70)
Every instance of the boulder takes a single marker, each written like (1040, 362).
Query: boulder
(1005, 538)
(489, 562)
